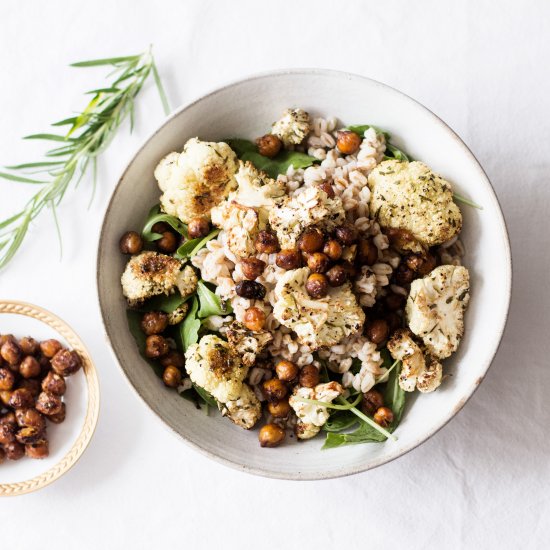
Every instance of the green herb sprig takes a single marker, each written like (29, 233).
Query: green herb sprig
(89, 133)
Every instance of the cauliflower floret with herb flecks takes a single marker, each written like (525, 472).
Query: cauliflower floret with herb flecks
(316, 322)
(312, 415)
(244, 411)
(408, 195)
(149, 274)
(304, 430)
(196, 180)
(292, 127)
(211, 365)
(256, 188)
(187, 281)
(430, 379)
(246, 343)
(313, 207)
(403, 348)
(435, 308)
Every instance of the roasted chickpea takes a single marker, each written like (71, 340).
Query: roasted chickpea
(403, 275)
(326, 186)
(394, 301)
(66, 362)
(31, 384)
(21, 399)
(54, 383)
(271, 435)
(279, 409)
(367, 253)
(45, 365)
(167, 243)
(171, 377)
(371, 402)
(286, 370)
(131, 243)
(383, 416)
(37, 450)
(14, 450)
(11, 352)
(252, 268)
(154, 322)
(29, 434)
(251, 290)
(289, 259)
(7, 338)
(311, 240)
(48, 404)
(59, 417)
(274, 389)
(28, 345)
(7, 433)
(348, 142)
(336, 276)
(29, 367)
(318, 262)
(254, 319)
(266, 242)
(198, 227)
(7, 379)
(309, 376)
(333, 249)
(346, 234)
(5, 396)
(173, 358)
(9, 419)
(269, 145)
(50, 347)
(317, 285)
(377, 331)
(393, 320)
(156, 346)
(160, 227)
(30, 418)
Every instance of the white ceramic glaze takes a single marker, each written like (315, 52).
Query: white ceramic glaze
(246, 109)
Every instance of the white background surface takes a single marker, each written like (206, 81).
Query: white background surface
(482, 66)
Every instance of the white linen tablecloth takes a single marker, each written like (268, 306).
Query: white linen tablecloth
(484, 480)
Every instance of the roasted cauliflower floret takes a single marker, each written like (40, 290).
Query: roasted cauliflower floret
(435, 308)
(292, 127)
(312, 416)
(187, 281)
(430, 379)
(211, 365)
(149, 274)
(244, 411)
(197, 179)
(320, 322)
(245, 343)
(312, 207)
(408, 195)
(403, 348)
(179, 314)
(256, 188)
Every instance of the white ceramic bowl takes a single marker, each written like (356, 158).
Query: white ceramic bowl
(246, 109)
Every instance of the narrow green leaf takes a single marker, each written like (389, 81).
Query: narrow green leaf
(12, 177)
(48, 137)
(205, 396)
(65, 121)
(154, 216)
(105, 61)
(160, 89)
(189, 329)
(468, 202)
(34, 165)
(189, 248)
(210, 302)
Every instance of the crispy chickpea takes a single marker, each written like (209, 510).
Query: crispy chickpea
(394, 301)
(269, 145)
(50, 347)
(348, 142)
(371, 402)
(66, 362)
(156, 346)
(251, 290)
(11, 352)
(160, 227)
(48, 404)
(318, 262)
(7, 338)
(29, 434)
(9, 419)
(198, 227)
(317, 285)
(271, 435)
(311, 240)
(377, 331)
(309, 376)
(403, 275)
(286, 370)
(54, 383)
(252, 268)
(173, 358)
(29, 367)
(333, 249)
(274, 389)
(279, 409)
(28, 345)
(346, 234)
(289, 259)
(59, 417)
(367, 253)
(254, 319)
(167, 243)
(27, 418)
(326, 186)
(131, 243)
(154, 322)
(383, 416)
(31, 384)
(7, 379)
(14, 450)
(171, 377)
(45, 365)
(21, 399)
(7, 433)
(266, 242)
(5, 396)
(37, 450)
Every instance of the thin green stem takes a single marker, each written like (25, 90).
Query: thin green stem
(368, 420)
(460, 198)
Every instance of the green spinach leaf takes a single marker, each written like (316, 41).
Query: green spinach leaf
(189, 328)
(154, 216)
(205, 396)
(168, 304)
(210, 302)
(340, 420)
(394, 153)
(191, 247)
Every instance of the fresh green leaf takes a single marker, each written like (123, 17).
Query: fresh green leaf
(191, 247)
(205, 396)
(460, 198)
(48, 137)
(394, 397)
(340, 420)
(189, 329)
(20, 179)
(210, 302)
(168, 304)
(241, 146)
(395, 152)
(134, 324)
(34, 165)
(106, 61)
(155, 216)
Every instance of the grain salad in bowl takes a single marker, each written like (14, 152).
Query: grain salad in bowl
(303, 283)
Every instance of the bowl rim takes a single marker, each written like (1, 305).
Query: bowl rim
(334, 473)
(89, 425)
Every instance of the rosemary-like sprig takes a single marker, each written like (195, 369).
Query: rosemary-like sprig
(89, 133)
